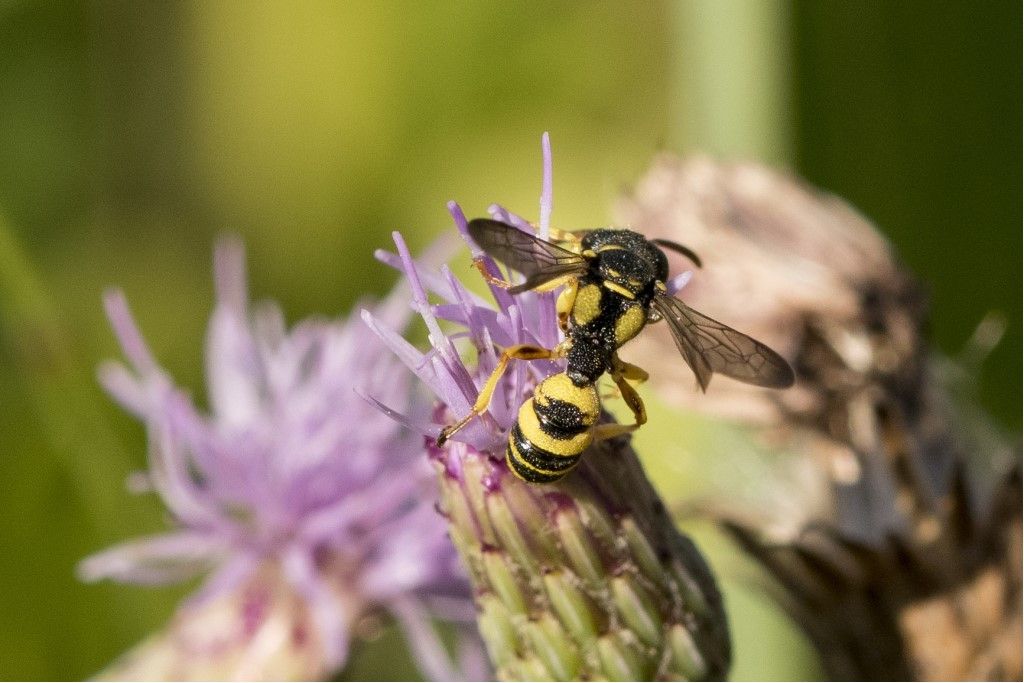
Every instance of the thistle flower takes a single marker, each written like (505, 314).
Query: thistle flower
(308, 508)
(890, 510)
(585, 578)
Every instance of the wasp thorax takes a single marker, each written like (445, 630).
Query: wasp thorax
(625, 269)
(645, 253)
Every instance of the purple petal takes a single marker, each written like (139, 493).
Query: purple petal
(235, 376)
(546, 187)
(419, 297)
(678, 282)
(138, 482)
(427, 649)
(502, 297)
(448, 364)
(123, 387)
(232, 573)
(470, 309)
(329, 615)
(406, 352)
(127, 332)
(473, 662)
(171, 474)
(167, 558)
(432, 281)
(499, 212)
(229, 275)
(429, 430)
(451, 608)
(462, 225)
(353, 508)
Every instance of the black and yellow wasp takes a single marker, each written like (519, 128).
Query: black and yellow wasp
(614, 284)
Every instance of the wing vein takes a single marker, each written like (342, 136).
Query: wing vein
(709, 346)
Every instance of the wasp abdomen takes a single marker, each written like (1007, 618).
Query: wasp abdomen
(553, 430)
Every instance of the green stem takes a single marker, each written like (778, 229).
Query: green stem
(732, 94)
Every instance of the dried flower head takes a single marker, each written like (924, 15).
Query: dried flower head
(889, 506)
(309, 508)
(580, 579)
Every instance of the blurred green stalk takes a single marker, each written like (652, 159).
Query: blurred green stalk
(732, 85)
(57, 382)
(23, 299)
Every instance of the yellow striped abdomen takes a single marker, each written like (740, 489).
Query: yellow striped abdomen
(553, 430)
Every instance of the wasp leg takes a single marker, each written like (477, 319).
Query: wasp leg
(629, 371)
(610, 393)
(505, 284)
(492, 279)
(555, 284)
(563, 235)
(566, 300)
(632, 399)
(518, 352)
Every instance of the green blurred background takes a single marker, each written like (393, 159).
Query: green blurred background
(131, 134)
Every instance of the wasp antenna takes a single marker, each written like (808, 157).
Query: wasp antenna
(680, 249)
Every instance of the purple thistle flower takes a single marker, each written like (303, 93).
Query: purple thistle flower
(303, 502)
(582, 579)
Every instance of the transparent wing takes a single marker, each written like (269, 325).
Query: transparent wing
(708, 347)
(538, 260)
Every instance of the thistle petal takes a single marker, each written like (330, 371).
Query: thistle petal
(156, 559)
(306, 507)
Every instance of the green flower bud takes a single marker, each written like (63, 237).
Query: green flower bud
(586, 578)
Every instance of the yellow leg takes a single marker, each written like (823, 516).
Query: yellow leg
(518, 352)
(552, 285)
(505, 284)
(632, 399)
(557, 235)
(566, 300)
(628, 371)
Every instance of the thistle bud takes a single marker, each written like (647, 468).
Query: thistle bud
(586, 578)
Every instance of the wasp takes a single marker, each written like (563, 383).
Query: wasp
(613, 285)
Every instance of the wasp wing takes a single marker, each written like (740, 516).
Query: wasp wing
(540, 261)
(708, 347)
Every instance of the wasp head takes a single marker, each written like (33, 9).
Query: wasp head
(627, 260)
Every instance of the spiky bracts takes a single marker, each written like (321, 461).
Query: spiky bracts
(585, 579)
